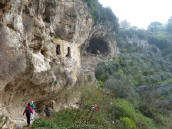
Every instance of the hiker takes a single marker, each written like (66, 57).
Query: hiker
(92, 108)
(28, 112)
(96, 107)
(33, 108)
(47, 111)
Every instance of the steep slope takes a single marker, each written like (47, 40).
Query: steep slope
(141, 75)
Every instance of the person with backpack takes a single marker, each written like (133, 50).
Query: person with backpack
(28, 110)
(47, 111)
(33, 108)
(96, 107)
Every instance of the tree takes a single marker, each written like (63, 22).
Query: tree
(170, 20)
(155, 27)
(169, 25)
(125, 24)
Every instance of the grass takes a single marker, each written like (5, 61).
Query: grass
(112, 114)
(0, 119)
(57, 37)
(82, 117)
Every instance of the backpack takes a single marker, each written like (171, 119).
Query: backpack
(27, 111)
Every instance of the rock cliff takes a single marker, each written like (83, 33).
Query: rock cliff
(45, 46)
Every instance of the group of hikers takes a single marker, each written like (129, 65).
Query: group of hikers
(94, 108)
(29, 110)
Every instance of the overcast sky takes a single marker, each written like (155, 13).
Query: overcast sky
(140, 13)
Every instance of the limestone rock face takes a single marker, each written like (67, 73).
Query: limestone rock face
(45, 45)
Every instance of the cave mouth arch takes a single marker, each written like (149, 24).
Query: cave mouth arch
(98, 46)
(2, 6)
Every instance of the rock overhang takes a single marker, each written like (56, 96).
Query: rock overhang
(52, 42)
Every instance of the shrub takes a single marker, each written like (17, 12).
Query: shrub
(0, 120)
(109, 109)
(165, 75)
(40, 123)
(72, 119)
(90, 78)
(122, 108)
(57, 37)
(101, 84)
(143, 122)
(94, 95)
(102, 15)
(125, 123)
(122, 88)
(83, 117)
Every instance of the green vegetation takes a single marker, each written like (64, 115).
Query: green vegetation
(82, 117)
(89, 78)
(140, 77)
(135, 89)
(102, 15)
(0, 120)
(113, 113)
(57, 37)
(66, 119)
(136, 69)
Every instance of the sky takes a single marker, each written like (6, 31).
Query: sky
(140, 13)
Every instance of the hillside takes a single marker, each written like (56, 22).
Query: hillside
(134, 88)
(142, 73)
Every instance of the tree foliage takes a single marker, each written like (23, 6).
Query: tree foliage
(102, 15)
(155, 27)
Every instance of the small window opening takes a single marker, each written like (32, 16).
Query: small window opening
(68, 52)
(58, 50)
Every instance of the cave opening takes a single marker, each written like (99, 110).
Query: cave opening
(58, 52)
(2, 6)
(98, 46)
(68, 52)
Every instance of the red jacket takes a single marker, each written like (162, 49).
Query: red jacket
(30, 108)
(96, 107)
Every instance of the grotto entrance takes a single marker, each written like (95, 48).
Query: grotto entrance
(98, 46)
(2, 6)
